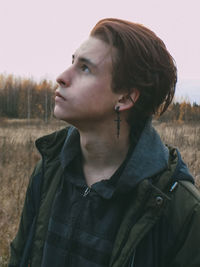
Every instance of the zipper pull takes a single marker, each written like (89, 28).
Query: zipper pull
(87, 191)
(173, 187)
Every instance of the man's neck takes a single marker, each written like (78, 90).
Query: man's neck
(103, 152)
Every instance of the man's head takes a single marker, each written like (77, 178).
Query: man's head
(84, 97)
(142, 62)
(131, 69)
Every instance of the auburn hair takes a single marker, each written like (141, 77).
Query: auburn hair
(142, 62)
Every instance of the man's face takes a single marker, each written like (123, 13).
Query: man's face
(84, 93)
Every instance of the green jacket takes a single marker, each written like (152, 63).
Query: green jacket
(166, 207)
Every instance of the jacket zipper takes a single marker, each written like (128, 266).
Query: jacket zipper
(87, 191)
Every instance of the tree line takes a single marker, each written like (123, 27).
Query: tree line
(23, 98)
(182, 112)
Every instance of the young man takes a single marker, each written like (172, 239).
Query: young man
(111, 193)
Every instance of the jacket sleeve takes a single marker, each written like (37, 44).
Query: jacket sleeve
(18, 244)
(188, 248)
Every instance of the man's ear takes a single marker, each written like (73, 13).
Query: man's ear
(127, 101)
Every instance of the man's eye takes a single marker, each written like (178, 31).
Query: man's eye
(85, 68)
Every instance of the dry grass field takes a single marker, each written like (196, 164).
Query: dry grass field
(18, 156)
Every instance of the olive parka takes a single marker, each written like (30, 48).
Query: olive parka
(161, 226)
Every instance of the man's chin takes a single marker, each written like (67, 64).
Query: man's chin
(60, 117)
(58, 114)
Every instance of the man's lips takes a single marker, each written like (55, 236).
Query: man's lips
(59, 96)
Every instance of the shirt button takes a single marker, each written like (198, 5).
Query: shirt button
(159, 200)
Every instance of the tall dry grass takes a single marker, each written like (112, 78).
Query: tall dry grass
(18, 157)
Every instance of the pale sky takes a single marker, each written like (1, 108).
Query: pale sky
(38, 37)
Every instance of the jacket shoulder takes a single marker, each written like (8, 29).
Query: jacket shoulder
(184, 217)
(183, 206)
(192, 190)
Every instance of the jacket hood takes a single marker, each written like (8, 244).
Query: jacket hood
(149, 157)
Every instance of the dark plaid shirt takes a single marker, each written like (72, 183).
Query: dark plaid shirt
(84, 222)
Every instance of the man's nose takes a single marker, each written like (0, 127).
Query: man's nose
(63, 79)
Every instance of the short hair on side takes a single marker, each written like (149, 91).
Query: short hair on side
(142, 62)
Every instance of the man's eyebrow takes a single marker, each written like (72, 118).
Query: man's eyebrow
(85, 60)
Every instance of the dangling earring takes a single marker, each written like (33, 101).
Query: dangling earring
(118, 120)
(131, 99)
